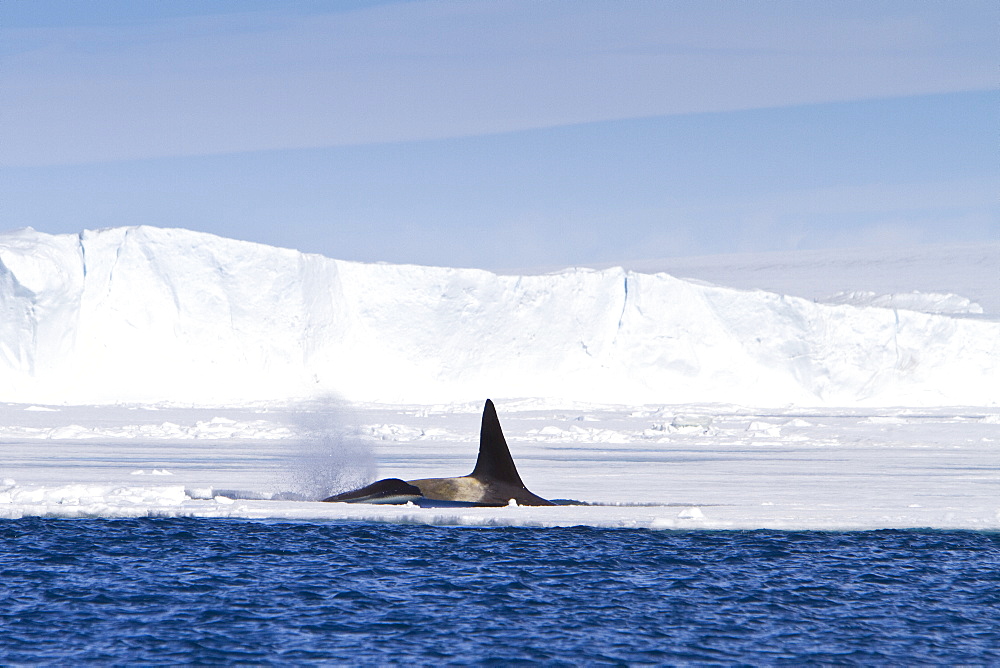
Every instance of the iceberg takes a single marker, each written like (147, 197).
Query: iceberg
(144, 315)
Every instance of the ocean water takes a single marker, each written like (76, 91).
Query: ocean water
(190, 591)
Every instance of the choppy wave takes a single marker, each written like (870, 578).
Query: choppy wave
(187, 591)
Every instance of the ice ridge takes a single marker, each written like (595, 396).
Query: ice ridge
(145, 314)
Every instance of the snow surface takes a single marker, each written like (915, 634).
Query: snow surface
(166, 373)
(146, 314)
(654, 466)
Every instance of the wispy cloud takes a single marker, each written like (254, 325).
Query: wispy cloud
(423, 70)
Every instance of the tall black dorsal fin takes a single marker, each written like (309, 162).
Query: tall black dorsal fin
(495, 462)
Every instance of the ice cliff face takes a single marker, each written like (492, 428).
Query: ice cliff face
(147, 314)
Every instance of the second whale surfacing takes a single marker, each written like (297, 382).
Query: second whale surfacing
(493, 482)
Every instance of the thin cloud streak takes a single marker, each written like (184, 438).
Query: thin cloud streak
(431, 70)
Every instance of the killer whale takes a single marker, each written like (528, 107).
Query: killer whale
(493, 482)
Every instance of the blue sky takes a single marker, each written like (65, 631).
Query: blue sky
(509, 134)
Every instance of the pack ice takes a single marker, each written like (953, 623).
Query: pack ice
(144, 314)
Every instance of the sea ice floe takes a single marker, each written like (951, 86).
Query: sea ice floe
(884, 419)
(855, 474)
(401, 433)
(217, 428)
(761, 428)
(692, 513)
(101, 500)
(574, 434)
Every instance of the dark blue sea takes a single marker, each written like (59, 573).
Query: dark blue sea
(190, 591)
